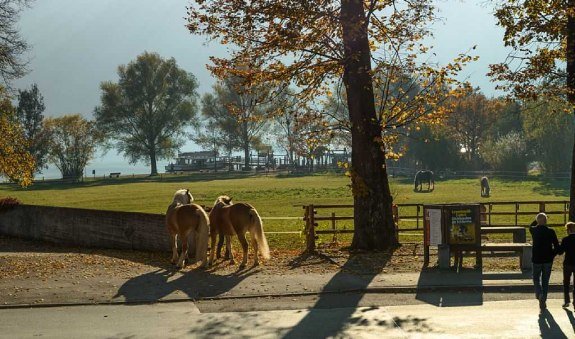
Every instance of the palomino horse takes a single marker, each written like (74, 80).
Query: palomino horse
(228, 219)
(184, 219)
(421, 177)
(485, 190)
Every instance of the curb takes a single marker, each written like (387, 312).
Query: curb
(522, 288)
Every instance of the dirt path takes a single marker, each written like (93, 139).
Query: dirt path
(35, 272)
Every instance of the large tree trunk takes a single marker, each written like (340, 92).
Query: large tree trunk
(153, 163)
(374, 228)
(571, 87)
(246, 156)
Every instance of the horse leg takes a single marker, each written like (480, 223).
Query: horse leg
(174, 241)
(244, 243)
(213, 237)
(229, 248)
(184, 254)
(220, 245)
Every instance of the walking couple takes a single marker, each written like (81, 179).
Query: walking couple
(545, 247)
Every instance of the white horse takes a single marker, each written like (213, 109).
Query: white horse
(183, 218)
(485, 189)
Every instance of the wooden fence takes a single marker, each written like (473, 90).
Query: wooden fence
(409, 217)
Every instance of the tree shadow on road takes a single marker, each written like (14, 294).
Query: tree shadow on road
(321, 323)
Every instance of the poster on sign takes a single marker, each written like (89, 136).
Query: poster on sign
(461, 229)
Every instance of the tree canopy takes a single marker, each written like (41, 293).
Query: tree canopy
(12, 45)
(238, 113)
(16, 163)
(31, 118)
(314, 44)
(541, 66)
(73, 142)
(144, 114)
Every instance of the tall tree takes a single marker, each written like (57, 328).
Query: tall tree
(547, 133)
(12, 46)
(145, 114)
(432, 147)
(16, 163)
(29, 114)
(284, 122)
(541, 34)
(470, 122)
(314, 43)
(238, 112)
(311, 135)
(73, 142)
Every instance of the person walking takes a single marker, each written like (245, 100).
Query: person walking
(545, 246)
(568, 247)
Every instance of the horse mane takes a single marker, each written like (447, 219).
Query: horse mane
(224, 199)
(179, 197)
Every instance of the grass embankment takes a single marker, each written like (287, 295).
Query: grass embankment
(273, 196)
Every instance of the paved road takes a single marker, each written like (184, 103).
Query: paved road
(394, 316)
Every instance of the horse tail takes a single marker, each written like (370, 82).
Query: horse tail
(202, 236)
(258, 231)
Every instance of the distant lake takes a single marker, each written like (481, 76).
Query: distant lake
(105, 165)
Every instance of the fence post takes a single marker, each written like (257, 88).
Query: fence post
(516, 212)
(334, 239)
(541, 207)
(311, 229)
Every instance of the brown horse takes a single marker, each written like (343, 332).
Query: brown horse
(228, 219)
(184, 219)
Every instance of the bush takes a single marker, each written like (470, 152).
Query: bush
(508, 153)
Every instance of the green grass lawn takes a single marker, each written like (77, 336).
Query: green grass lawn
(273, 196)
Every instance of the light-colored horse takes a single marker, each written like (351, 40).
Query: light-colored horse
(485, 189)
(184, 219)
(228, 219)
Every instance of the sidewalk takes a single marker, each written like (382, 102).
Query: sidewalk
(161, 286)
(493, 319)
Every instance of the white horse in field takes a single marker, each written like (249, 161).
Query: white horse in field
(183, 218)
(485, 189)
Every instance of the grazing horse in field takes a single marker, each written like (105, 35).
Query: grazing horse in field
(184, 219)
(485, 190)
(421, 177)
(227, 218)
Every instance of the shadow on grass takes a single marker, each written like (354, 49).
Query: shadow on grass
(554, 187)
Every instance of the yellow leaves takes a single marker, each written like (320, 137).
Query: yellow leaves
(16, 162)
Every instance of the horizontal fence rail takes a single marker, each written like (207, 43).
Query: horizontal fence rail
(409, 217)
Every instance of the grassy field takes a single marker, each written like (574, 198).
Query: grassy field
(273, 196)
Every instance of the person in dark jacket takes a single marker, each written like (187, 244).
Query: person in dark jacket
(568, 247)
(545, 246)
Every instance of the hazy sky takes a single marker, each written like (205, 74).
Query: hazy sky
(76, 44)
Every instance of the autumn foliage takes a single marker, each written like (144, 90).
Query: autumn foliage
(16, 163)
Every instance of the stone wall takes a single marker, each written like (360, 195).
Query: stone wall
(86, 228)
